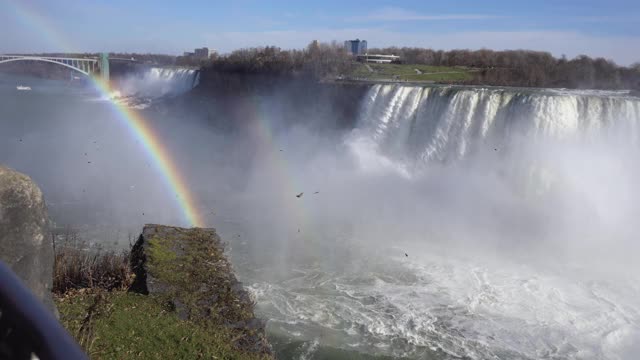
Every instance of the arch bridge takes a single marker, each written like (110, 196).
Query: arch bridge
(86, 66)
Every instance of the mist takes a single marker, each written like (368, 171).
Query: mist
(533, 224)
(431, 221)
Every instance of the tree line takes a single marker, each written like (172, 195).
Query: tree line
(526, 68)
(501, 68)
(316, 60)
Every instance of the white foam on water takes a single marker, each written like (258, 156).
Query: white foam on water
(537, 263)
(461, 308)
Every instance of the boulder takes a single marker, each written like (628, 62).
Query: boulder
(25, 245)
(188, 269)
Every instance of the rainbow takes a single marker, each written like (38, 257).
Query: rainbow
(262, 134)
(158, 153)
(134, 121)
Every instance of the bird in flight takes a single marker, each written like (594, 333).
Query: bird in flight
(299, 195)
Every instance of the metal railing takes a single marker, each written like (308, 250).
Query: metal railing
(27, 328)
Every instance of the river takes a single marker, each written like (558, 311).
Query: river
(446, 223)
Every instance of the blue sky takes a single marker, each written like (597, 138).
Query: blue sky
(609, 29)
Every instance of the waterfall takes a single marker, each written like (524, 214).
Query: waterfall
(156, 82)
(424, 124)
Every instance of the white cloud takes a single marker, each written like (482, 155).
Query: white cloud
(603, 19)
(398, 14)
(619, 48)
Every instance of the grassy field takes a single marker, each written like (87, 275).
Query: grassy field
(123, 325)
(407, 72)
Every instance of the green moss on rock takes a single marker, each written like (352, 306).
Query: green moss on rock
(188, 269)
(185, 303)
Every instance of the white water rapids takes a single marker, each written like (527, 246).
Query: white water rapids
(479, 223)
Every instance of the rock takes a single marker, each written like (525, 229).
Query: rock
(188, 269)
(150, 282)
(25, 245)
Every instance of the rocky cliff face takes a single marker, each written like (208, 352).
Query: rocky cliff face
(24, 239)
(188, 269)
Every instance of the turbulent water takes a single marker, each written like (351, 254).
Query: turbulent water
(481, 223)
(448, 222)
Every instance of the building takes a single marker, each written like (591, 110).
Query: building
(379, 58)
(356, 47)
(202, 53)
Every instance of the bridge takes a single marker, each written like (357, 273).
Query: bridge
(88, 66)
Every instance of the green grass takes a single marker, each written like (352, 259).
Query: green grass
(406, 72)
(444, 77)
(121, 325)
(197, 309)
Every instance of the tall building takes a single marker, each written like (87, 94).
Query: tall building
(356, 47)
(202, 53)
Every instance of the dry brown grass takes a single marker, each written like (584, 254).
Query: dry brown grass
(79, 267)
